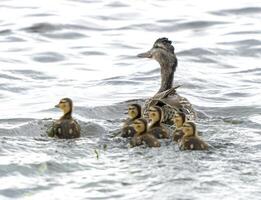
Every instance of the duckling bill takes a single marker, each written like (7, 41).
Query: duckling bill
(66, 127)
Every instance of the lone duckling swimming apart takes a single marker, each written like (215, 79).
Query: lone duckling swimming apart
(65, 127)
(155, 126)
(179, 119)
(167, 97)
(141, 136)
(134, 112)
(190, 140)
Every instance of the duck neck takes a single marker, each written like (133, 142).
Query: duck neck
(155, 124)
(167, 75)
(67, 115)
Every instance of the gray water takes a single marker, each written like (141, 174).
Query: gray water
(85, 49)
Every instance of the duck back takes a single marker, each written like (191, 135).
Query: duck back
(158, 132)
(66, 129)
(193, 143)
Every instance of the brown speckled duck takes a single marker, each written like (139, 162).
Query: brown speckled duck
(167, 97)
(66, 127)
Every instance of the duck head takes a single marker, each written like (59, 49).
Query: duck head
(140, 126)
(163, 52)
(155, 115)
(179, 119)
(189, 129)
(134, 111)
(65, 105)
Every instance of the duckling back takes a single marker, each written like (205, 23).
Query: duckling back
(66, 129)
(159, 132)
(193, 143)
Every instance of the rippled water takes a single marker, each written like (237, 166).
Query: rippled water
(85, 49)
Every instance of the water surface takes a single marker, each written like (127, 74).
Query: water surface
(86, 50)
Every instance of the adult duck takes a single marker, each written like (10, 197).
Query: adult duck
(167, 97)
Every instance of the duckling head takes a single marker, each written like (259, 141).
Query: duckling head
(189, 129)
(179, 119)
(134, 111)
(163, 52)
(65, 105)
(155, 115)
(140, 126)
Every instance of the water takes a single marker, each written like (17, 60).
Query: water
(85, 50)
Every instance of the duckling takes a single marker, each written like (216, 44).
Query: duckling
(141, 136)
(65, 127)
(134, 112)
(178, 119)
(167, 97)
(191, 140)
(155, 126)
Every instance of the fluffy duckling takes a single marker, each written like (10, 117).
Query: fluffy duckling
(141, 136)
(134, 112)
(190, 140)
(178, 119)
(65, 127)
(155, 126)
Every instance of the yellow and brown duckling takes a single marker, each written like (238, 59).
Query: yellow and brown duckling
(155, 126)
(141, 136)
(134, 112)
(66, 127)
(179, 119)
(191, 140)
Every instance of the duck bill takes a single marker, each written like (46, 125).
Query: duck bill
(147, 54)
(57, 106)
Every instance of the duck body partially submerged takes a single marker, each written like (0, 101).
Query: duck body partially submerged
(191, 140)
(66, 127)
(134, 112)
